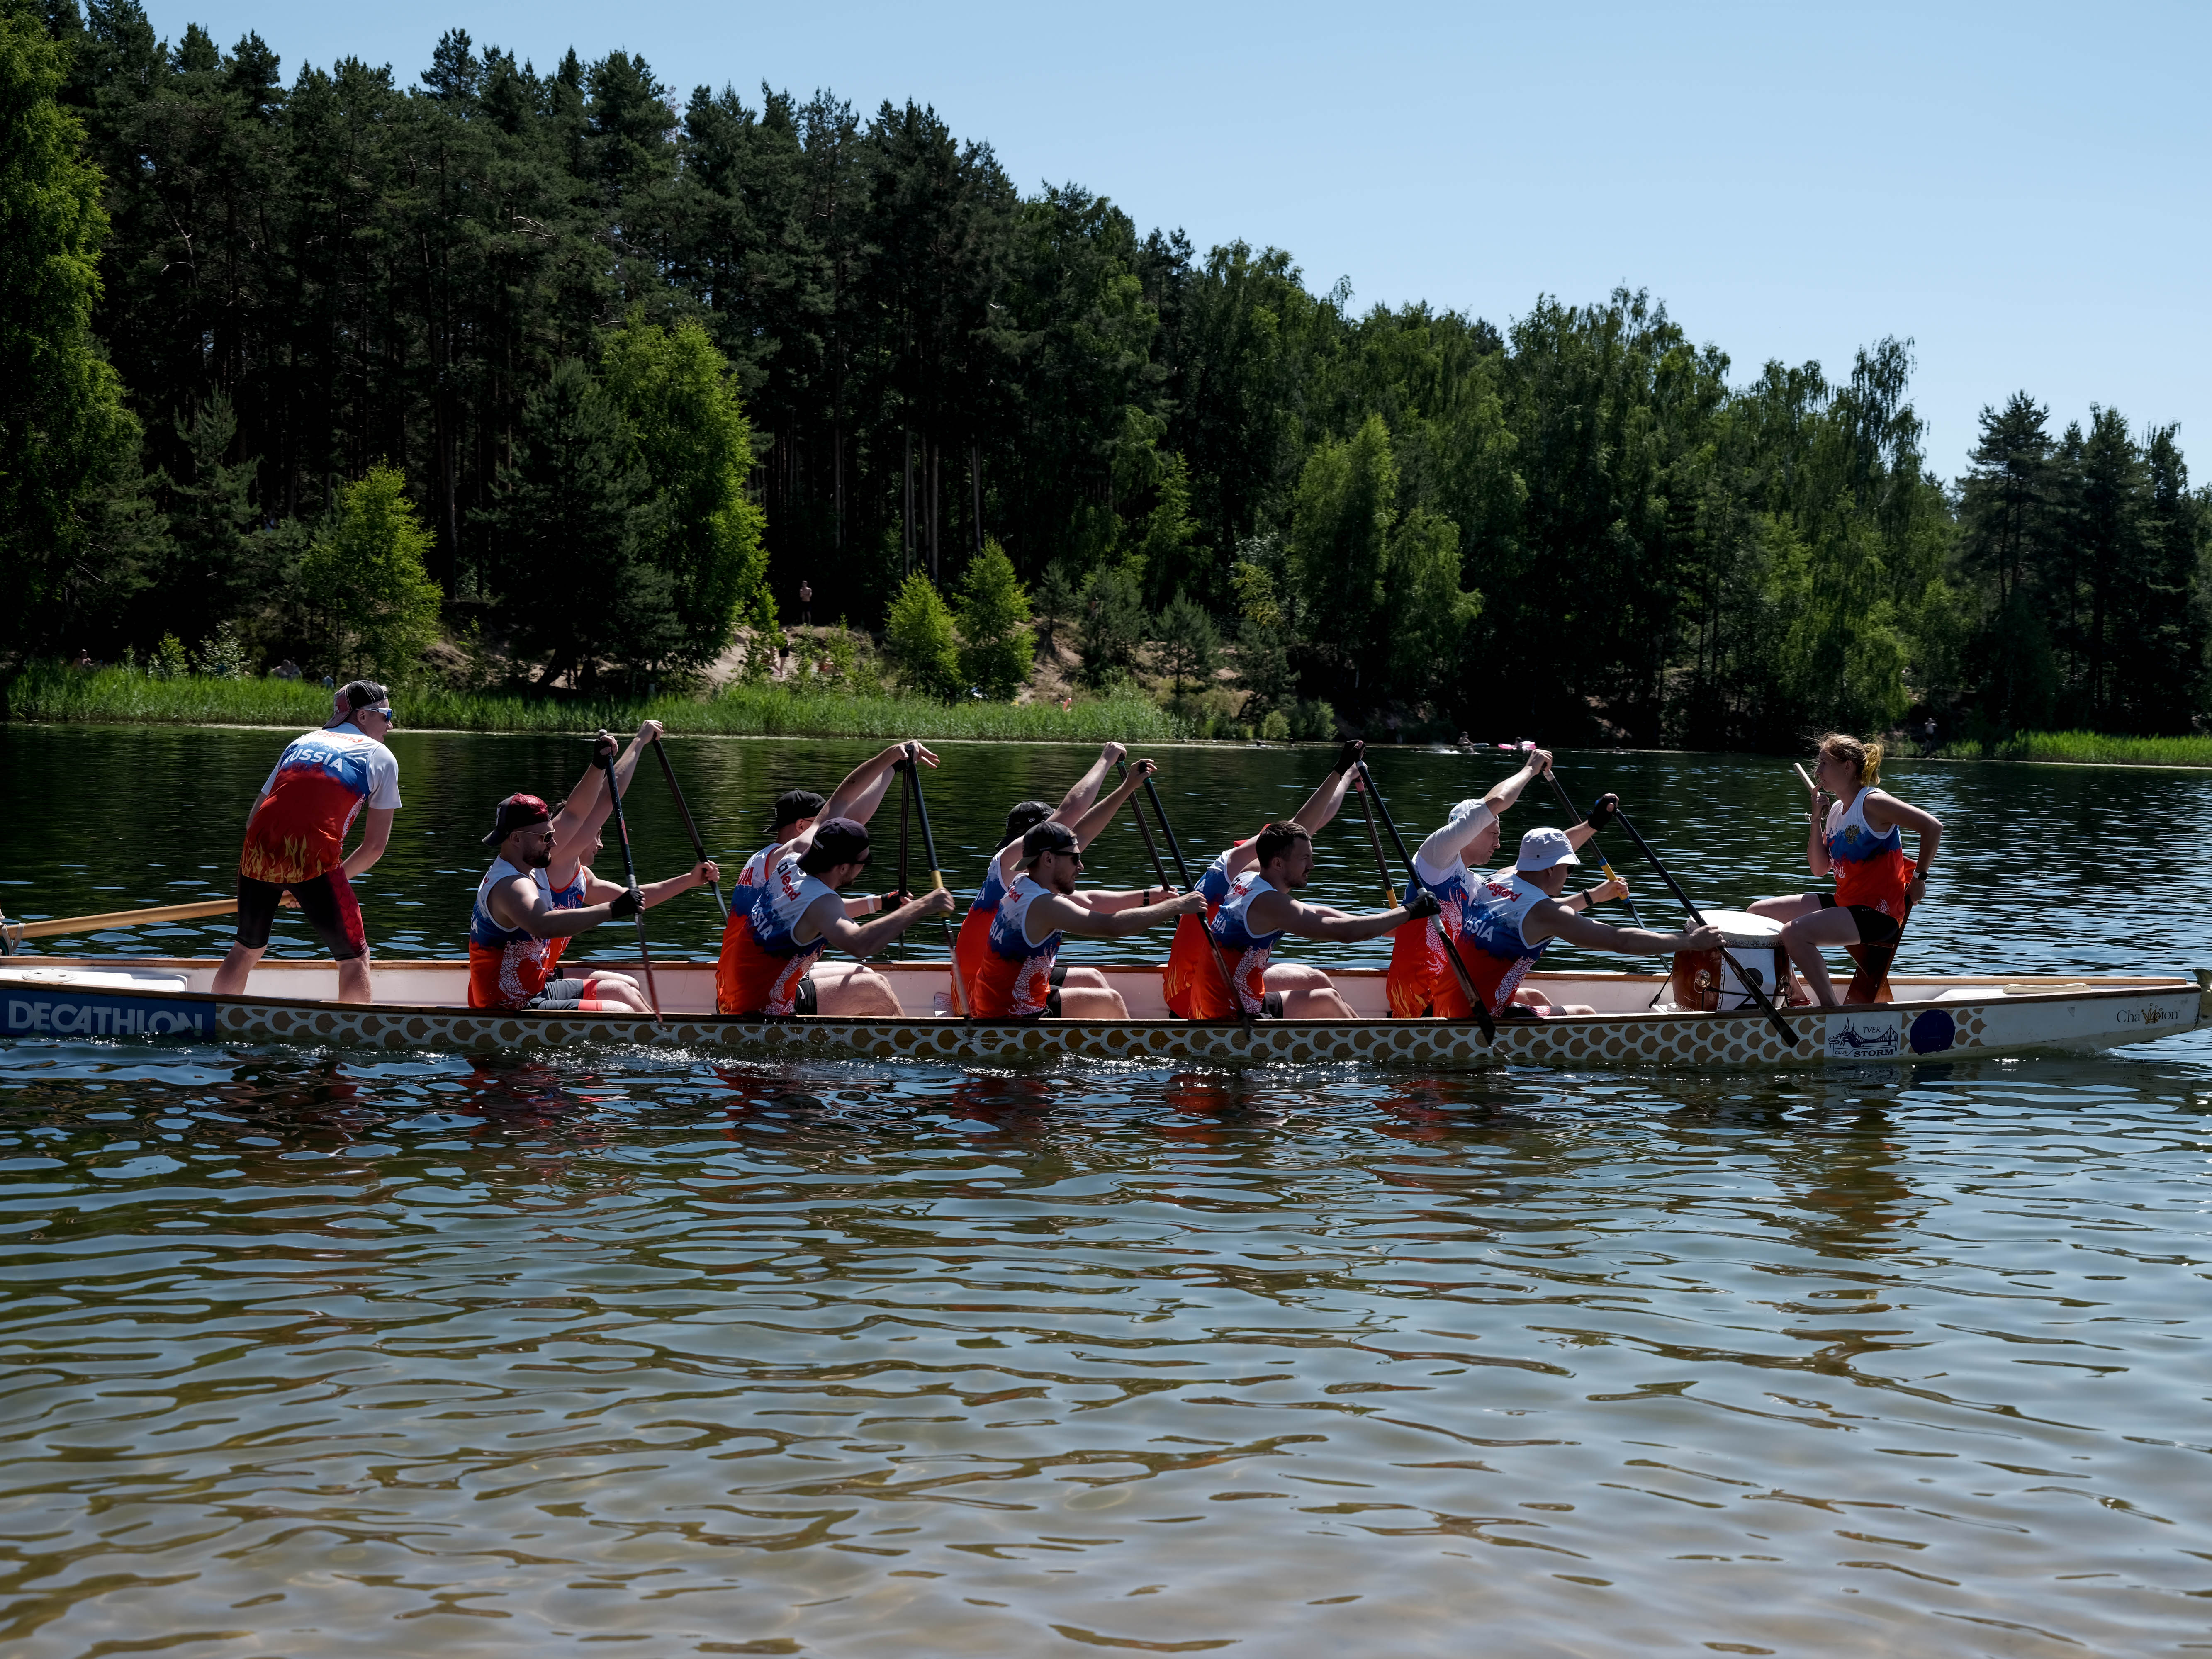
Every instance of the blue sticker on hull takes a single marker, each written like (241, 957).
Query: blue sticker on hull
(1933, 1032)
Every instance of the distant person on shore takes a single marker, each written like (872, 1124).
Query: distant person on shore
(1927, 736)
(82, 659)
(805, 603)
(1260, 910)
(286, 670)
(296, 838)
(1859, 838)
(772, 946)
(1041, 907)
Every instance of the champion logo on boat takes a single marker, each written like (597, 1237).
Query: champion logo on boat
(1863, 1037)
(2153, 1014)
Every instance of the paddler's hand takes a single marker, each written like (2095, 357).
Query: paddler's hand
(705, 873)
(911, 749)
(1114, 754)
(1347, 757)
(650, 731)
(938, 902)
(898, 898)
(1605, 892)
(1538, 763)
(1422, 905)
(1144, 768)
(625, 905)
(603, 749)
(1601, 811)
(1707, 938)
(1192, 903)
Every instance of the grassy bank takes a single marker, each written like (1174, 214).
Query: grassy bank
(118, 696)
(2088, 747)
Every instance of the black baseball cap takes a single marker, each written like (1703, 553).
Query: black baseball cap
(362, 693)
(1049, 837)
(517, 812)
(836, 840)
(792, 805)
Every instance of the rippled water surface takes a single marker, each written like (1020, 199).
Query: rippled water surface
(327, 1353)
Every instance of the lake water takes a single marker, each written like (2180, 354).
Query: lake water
(330, 1352)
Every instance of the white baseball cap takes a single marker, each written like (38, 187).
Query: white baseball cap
(1544, 846)
(1467, 808)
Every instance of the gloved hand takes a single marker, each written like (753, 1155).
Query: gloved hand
(1348, 756)
(625, 905)
(1601, 811)
(1422, 905)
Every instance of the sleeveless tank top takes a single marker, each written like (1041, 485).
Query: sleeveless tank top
(1190, 959)
(1870, 868)
(1421, 982)
(507, 966)
(1489, 942)
(1245, 951)
(1016, 978)
(763, 961)
(755, 873)
(972, 944)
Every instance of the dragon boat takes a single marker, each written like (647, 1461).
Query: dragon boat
(423, 1005)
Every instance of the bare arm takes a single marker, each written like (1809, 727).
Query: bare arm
(1552, 920)
(1062, 915)
(520, 903)
(863, 787)
(1085, 791)
(1279, 912)
(697, 876)
(1092, 823)
(1886, 811)
(375, 836)
(827, 917)
(1105, 901)
(589, 804)
(1502, 794)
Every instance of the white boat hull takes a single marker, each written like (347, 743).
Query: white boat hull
(421, 1006)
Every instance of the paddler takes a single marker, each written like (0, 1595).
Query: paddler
(1859, 837)
(521, 922)
(850, 989)
(779, 929)
(1450, 865)
(1040, 907)
(1190, 958)
(1260, 910)
(295, 837)
(1082, 811)
(1511, 920)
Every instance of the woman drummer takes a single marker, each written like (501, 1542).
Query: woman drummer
(1859, 839)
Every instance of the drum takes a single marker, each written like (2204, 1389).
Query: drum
(1704, 980)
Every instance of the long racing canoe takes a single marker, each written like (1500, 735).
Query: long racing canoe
(423, 1005)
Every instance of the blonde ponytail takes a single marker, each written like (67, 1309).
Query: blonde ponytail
(1864, 758)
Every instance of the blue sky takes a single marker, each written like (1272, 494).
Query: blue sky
(2020, 189)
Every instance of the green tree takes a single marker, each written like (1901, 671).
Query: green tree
(1190, 645)
(1167, 552)
(1430, 614)
(68, 448)
(1055, 604)
(1113, 624)
(994, 614)
(918, 636)
(364, 580)
(1263, 631)
(691, 438)
(1341, 523)
(575, 589)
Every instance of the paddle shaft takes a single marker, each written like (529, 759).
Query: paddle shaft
(690, 829)
(1475, 999)
(1749, 984)
(1603, 862)
(122, 919)
(1375, 841)
(937, 878)
(1213, 945)
(1152, 847)
(630, 879)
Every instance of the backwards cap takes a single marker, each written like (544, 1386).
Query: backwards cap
(516, 812)
(792, 805)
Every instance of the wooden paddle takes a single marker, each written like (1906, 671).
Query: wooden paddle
(1474, 999)
(605, 759)
(698, 846)
(119, 919)
(1751, 985)
(1220, 962)
(937, 879)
